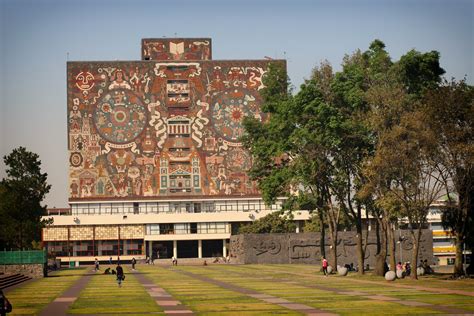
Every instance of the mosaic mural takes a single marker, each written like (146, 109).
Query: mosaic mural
(161, 128)
(176, 49)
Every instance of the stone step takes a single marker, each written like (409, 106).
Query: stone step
(12, 280)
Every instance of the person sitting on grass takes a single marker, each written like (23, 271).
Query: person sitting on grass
(120, 275)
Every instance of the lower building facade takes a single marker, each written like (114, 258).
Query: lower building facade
(155, 229)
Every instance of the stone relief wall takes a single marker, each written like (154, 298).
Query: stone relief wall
(305, 248)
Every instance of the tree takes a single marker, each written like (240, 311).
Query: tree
(399, 181)
(405, 169)
(21, 193)
(276, 222)
(450, 113)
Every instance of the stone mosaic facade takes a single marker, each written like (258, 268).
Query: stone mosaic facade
(55, 233)
(168, 126)
(97, 232)
(81, 233)
(305, 248)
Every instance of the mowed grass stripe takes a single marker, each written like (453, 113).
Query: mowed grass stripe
(347, 283)
(208, 299)
(31, 298)
(285, 288)
(103, 296)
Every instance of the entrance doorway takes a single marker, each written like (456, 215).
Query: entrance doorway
(187, 249)
(212, 248)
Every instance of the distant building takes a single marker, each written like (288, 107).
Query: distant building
(444, 247)
(155, 162)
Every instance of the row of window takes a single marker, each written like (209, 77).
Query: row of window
(173, 207)
(187, 228)
(95, 248)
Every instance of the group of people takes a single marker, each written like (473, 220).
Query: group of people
(405, 267)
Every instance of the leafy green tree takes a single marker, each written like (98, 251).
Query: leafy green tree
(21, 193)
(450, 113)
(276, 222)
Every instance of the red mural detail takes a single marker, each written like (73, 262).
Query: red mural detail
(158, 129)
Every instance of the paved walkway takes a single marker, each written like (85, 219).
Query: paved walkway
(302, 308)
(170, 306)
(61, 304)
(441, 308)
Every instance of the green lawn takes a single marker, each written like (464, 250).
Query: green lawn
(302, 284)
(33, 297)
(102, 295)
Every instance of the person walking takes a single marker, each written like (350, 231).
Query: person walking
(120, 275)
(5, 305)
(133, 263)
(96, 263)
(325, 266)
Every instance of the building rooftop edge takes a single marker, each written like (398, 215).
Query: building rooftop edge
(173, 61)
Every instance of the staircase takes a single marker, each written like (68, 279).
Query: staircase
(12, 279)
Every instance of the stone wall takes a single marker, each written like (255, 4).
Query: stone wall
(305, 248)
(33, 270)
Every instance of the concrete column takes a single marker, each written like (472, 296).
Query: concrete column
(98, 246)
(199, 248)
(175, 249)
(224, 248)
(150, 248)
(125, 247)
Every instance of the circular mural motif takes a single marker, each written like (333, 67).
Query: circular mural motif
(229, 109)
(238, 160)
(120, 116)
(75, 159)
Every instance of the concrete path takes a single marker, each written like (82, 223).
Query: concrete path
(302, 308)
(170, 306)
(61, 304)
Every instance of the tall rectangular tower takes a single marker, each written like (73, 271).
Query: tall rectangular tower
(156, 166)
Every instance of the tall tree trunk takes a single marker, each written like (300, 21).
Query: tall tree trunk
(360, 250)
(391, 246)
(458, 264)
(334, 249)
(359, 241)
(415, 234)
(333, 232)
(323, 235)
(381, 255)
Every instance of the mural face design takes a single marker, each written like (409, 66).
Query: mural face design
(161, 128)
(85, 81)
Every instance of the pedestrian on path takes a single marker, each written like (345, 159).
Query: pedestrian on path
(133, 263)
(325, 266)
(5, 306)
(96, 263)
(120, 275)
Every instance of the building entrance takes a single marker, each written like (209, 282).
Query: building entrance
(211, 248)
(187, 249)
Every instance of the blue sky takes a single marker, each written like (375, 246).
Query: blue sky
(37, 35)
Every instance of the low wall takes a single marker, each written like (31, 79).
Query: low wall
(33, 270)
(305, 248)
